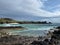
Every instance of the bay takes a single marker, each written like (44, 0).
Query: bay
(32, 29)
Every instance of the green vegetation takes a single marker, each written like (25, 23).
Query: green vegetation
(6, 20)
(9, 20)
(33, 22)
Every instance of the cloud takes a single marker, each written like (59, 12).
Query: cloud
(53, 20)
(33, 7)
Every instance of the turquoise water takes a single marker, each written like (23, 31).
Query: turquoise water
(32, 29)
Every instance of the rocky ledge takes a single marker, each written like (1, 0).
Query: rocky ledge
(24, 40)
(11, 27)
(53, 40)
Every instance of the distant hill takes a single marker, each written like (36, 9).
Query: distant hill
(9, 20)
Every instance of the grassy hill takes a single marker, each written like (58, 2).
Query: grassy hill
(7, 20)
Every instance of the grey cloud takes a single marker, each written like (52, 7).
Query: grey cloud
(23, 9)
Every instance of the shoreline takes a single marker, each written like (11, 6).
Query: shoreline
(11, 27)
(9, 39)
(25, 40)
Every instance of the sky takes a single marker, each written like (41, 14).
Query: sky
(31, 9)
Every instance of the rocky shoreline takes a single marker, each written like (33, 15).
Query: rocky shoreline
(54, 39)
(11, 27)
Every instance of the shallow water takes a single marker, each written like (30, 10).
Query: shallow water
(32, 29)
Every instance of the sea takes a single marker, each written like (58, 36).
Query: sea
(32, 29)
